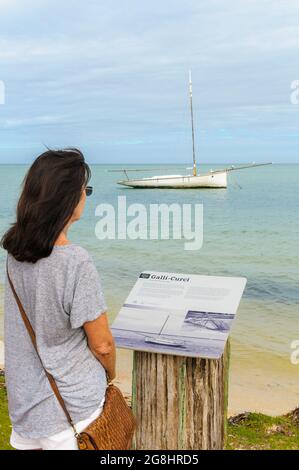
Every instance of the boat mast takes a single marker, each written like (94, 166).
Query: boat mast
(192, 122)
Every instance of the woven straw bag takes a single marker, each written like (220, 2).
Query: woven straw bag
(113, 429)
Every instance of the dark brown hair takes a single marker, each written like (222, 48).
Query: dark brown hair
(51, 191)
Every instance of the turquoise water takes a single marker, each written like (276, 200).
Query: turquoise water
(250, 229)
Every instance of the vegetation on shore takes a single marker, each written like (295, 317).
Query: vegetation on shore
(252, 431)
(5, 426)
(256, 431)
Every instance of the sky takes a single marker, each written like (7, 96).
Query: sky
(112, 79)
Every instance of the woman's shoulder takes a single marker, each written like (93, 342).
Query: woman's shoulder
(73, 252)
(72, 259)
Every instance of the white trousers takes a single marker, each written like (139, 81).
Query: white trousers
(64, 440)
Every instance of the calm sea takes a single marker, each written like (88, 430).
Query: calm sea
(250, 229)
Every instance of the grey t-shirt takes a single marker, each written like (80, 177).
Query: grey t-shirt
(59, 294)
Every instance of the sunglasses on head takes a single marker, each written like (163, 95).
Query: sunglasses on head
(88, 190)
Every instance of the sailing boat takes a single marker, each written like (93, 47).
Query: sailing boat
(212, 179)
(164, 340)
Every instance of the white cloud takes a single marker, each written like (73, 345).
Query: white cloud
(119, 72)
(34, 121)
(5, 3)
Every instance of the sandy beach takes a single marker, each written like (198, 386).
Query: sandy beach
(249, 389)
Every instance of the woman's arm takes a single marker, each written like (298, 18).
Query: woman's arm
(101, 343)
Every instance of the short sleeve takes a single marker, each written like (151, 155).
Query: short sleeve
(88, 299)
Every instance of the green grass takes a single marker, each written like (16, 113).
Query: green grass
(5, 426)
(261, 432)
(253, 431)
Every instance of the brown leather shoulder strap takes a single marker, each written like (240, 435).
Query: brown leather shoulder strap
(33, 339)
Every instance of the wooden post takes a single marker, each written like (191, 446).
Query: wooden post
(180, 402)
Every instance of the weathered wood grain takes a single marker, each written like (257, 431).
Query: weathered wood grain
(179, 402)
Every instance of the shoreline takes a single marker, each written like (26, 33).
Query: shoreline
(1, 354)
(249, 390)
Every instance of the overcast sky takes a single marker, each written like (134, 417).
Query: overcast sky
(112, 79)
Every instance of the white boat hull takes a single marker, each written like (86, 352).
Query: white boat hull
(213, 180)
(164, 341)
